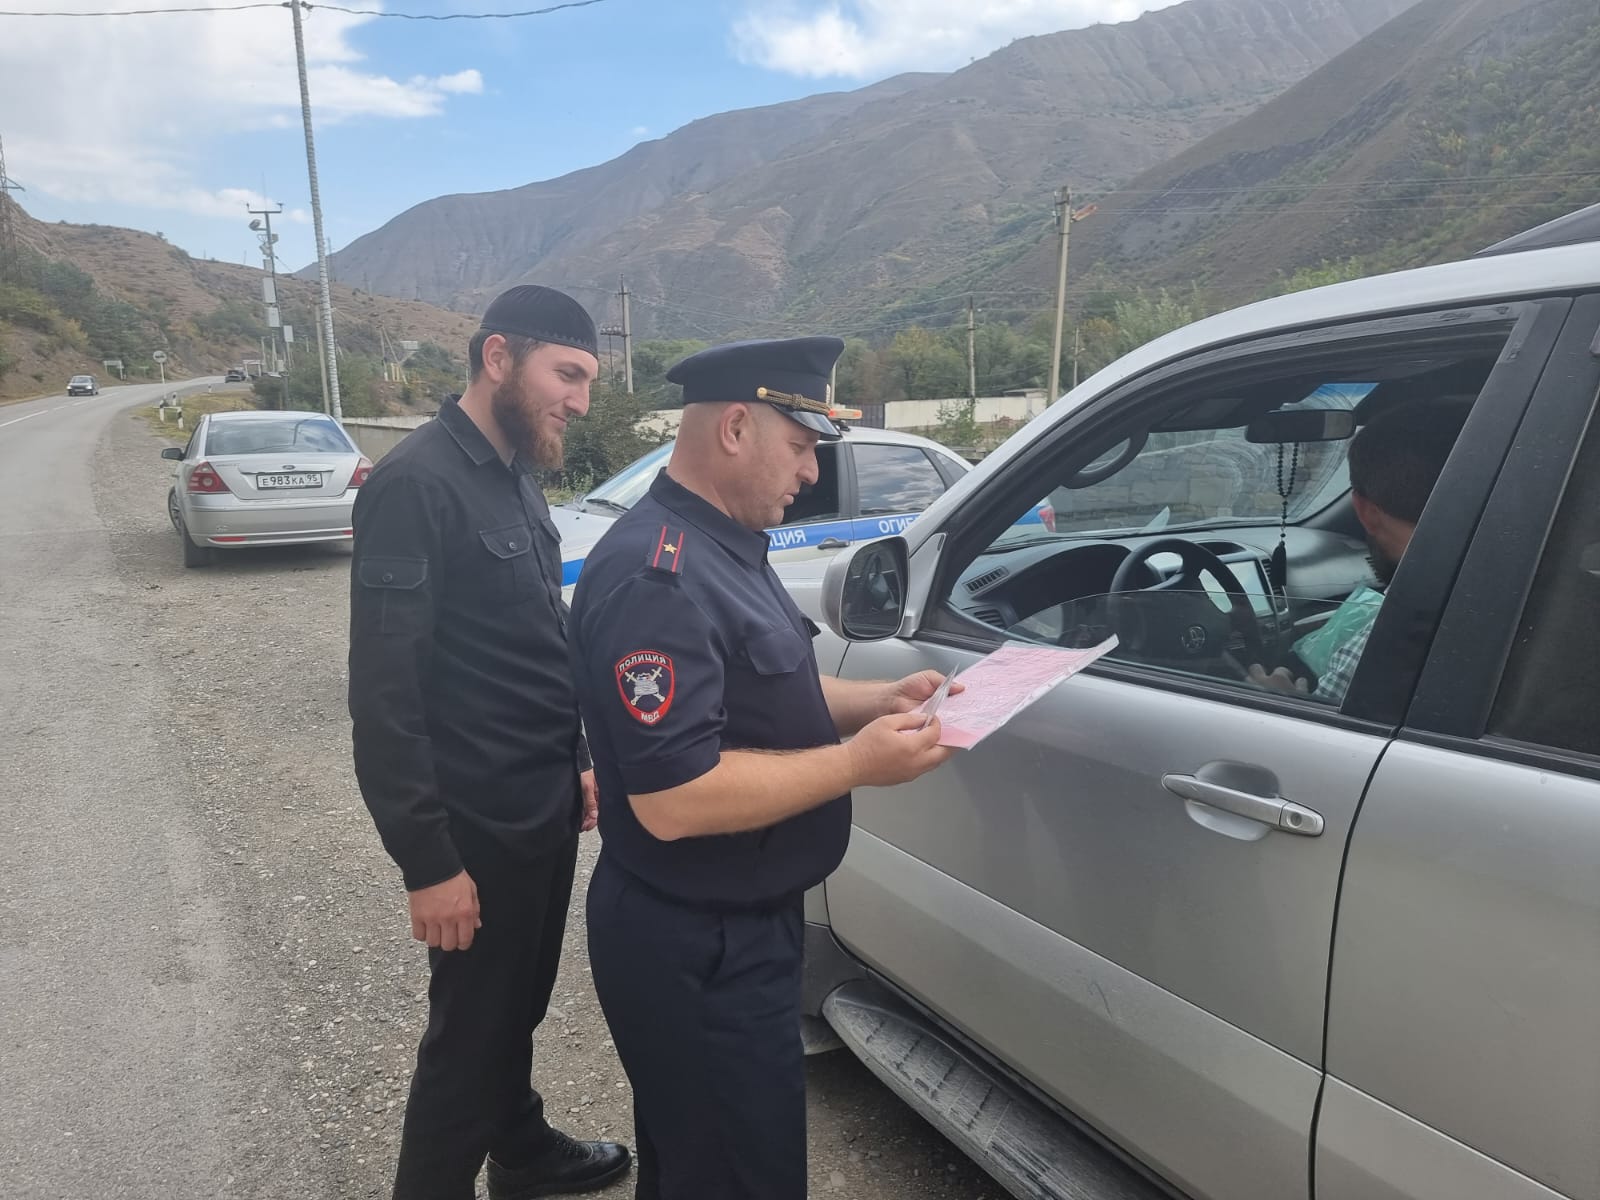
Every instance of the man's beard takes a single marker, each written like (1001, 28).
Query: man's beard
(1382, 565)
(517, 420)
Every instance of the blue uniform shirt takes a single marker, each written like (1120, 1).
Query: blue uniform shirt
(684, 645)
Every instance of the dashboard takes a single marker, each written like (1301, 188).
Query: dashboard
(1055, 589)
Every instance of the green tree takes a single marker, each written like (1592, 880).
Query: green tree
(925, 366)
(604, 440)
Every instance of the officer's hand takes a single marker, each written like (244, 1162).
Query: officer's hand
(591, 801)
(905, 695)
(446, 914)
(897, 749)
(1279, 681)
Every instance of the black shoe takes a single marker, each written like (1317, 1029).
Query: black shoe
(566, 1165)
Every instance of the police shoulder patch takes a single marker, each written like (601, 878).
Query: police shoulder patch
(646, 682)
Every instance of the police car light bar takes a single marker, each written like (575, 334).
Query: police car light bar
(844, 414)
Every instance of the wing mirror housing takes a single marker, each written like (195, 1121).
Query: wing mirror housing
(864, 590)
(173, 452)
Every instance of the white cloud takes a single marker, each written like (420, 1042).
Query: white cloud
(122, 109)
(466, 83)
(639, 131)
(871, 38)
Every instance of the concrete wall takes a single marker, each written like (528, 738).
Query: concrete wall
(376, 436)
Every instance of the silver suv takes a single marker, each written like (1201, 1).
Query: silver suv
(1195, 924)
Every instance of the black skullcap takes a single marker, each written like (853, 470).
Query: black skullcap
(791, 374)
(543, 314)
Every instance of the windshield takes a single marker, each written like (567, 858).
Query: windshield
(1207, 477)
(286, 433)
(628, 486)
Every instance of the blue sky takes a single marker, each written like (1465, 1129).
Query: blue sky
(174, 123)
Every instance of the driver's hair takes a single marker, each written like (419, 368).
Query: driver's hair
(1398, 456)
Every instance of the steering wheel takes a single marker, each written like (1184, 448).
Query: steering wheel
(1189, 626)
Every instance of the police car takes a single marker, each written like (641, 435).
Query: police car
(871, 483)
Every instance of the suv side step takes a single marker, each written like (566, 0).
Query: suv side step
(1031, 1152)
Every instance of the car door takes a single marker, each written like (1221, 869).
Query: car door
(894, 484)
(1086, 895)
(1463, 1059)
(817, 525)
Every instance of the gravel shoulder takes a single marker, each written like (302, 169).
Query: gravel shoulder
(320, 991)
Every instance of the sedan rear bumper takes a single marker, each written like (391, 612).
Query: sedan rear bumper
(228, 522)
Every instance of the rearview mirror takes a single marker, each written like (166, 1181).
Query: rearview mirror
(173, 452)
(864, 591)
(1308, 425)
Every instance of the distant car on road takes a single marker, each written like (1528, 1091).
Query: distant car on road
(83, 385)
(235, 375)
(263, 479)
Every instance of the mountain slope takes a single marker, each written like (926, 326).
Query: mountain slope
(1460, 122)
(98, 291)
(889, 193)
(459, 250)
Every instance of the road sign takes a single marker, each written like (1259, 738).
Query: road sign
(288, 334)
(159, 356)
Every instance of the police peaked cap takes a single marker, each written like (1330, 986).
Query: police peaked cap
(791, 374)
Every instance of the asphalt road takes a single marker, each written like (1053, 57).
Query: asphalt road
(206, 981)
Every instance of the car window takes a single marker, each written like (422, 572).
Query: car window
(1550, 692)
(895, 479)
(629, 485)
(1219, 538)
(286, 433)
(819, 501)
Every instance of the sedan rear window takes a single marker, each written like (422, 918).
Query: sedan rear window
(316, 434)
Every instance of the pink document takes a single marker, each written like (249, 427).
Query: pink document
(1003, 684)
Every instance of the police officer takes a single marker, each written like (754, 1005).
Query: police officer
(726, 786)
(468, 748)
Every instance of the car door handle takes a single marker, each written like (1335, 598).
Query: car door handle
(832, 543)
(1269, 810)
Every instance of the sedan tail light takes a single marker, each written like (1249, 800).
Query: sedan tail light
(1047, 514)
(205, 480)
(363, 469)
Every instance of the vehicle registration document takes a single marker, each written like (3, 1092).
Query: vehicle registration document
(1001, 685)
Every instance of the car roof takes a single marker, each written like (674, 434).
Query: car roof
(266, 414)
(893, 437)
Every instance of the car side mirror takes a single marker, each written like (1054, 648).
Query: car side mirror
(175, 452)
(864, 590)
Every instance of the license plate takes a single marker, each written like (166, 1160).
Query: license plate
(302, 480)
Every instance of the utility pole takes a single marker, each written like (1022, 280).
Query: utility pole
(1066, 216)
(972, 352)
(627, 337)
(269, 248)
(1063, 224)
(329, 358)
(9, 259)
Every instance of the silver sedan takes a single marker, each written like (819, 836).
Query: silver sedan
(263, 479)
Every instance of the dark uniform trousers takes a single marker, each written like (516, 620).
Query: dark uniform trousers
(472, 1093)
(711, 1044)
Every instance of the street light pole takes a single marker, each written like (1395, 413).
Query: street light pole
(330, 358)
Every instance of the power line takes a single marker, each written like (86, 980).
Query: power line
(356, 12)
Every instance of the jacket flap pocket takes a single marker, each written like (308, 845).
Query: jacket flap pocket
(776, 651)
(508, 541)
(401, 573)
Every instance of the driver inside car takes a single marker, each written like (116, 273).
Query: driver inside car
(1394, 462)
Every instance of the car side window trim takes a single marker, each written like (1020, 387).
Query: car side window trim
(1532, 327)
(1478, 628)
